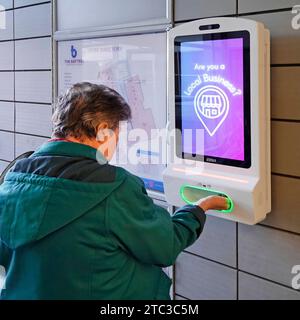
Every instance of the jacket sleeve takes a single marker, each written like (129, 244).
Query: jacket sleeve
(147, 231)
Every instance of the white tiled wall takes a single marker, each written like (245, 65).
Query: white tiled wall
(253, 288)
(33, 54)
(34, 86)
(7, 86)
(6, 4)
(7, 33)
(25, 77)
(6, 146)
(193, 9)
(259, 249)
(7, 55)
(33, 21)
(259, 5)
(34, 119)
(3, 165)
(194, 273)
(7, 116)
(21, 3)
(26, 143)
(102, 13)
(217, 242)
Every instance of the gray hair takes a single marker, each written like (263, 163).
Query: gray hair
(84, 106)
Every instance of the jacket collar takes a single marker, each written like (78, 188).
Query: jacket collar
(71, 149)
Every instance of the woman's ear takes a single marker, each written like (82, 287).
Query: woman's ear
(107, 140)
(102, 132)
(102, 126)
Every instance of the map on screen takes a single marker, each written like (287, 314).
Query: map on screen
(135, 66)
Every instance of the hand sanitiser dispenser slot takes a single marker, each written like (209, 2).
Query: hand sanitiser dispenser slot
(219, 94)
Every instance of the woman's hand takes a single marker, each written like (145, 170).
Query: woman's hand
(213, 203)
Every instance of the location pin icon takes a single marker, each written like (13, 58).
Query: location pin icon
(211, 106)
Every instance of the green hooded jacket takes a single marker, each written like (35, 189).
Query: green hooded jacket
(74, 227)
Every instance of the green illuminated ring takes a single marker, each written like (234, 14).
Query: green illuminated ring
(186, 200)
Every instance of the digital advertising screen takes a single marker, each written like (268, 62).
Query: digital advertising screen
(212, 87)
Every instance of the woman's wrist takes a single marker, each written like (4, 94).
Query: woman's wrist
(204, 204)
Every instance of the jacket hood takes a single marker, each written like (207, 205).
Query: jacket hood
(32, 206)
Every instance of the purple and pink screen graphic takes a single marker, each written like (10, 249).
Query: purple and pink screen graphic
(212, 97)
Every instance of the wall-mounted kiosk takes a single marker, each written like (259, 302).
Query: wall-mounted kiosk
(219, 89)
